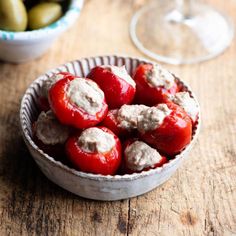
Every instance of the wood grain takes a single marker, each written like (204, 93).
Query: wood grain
(200, 199)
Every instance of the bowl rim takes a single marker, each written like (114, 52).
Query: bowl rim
(99, 177)
(60, 25)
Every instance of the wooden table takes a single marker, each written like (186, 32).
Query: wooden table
(200, 199)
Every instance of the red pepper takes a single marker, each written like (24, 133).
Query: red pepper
(147, 95)
(125, 168)
(56, 151)
(68, 112)
(112, 123)
(43, 98)
(117, 91)
(97, 163)
(174, 133)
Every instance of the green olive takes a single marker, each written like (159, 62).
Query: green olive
(43, 14)
(13, 15)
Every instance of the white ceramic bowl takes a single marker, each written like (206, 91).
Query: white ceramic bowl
(87, 185)
(20, 47)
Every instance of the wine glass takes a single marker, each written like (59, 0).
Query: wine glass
(180, 31)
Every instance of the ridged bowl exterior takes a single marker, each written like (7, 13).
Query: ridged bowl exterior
(99, 187)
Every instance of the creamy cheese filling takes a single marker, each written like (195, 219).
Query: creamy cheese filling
(96, 140)
(49, 130)
(86, 95)
(140, 156)
(49, 83)
(152, 117)
(159, 76)
(122, 73)
(128, 116)
(184, 100)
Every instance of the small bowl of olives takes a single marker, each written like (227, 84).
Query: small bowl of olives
(29, 27)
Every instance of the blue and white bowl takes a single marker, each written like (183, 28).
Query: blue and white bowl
(20, 47)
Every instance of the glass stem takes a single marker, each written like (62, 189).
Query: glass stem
(184, 7)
